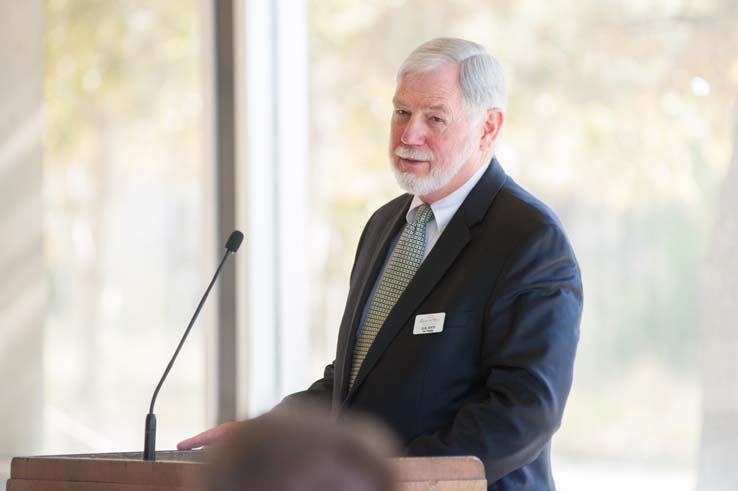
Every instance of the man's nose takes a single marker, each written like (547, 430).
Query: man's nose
(414, 132)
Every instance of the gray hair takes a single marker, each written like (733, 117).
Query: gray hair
(481, 77)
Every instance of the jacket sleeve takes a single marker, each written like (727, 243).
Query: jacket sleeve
(318, 394)
(530, 333)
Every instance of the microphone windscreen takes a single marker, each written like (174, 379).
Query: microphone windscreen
(234, 241)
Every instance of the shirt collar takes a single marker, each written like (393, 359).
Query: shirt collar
(445, 208)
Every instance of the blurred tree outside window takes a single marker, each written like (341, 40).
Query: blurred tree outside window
(126, 216)
(620, 118)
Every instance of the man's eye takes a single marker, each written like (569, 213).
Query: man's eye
(436, 119)
(401, 112)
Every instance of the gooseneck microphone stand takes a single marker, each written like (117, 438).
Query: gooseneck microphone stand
(149, 453)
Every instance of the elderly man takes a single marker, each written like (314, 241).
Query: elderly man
(462, 318)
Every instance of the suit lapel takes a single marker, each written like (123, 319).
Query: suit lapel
(367, 272)
(430, 272)
(452, 241)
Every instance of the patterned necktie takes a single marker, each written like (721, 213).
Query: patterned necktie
(401, 267)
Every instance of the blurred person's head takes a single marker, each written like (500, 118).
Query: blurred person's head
(303, 451)
(448, 111)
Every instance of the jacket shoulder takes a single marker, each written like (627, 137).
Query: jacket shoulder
(521, 213)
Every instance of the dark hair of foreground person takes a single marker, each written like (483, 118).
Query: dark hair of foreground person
(302, 450)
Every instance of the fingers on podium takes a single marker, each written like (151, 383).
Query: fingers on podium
(208, 437)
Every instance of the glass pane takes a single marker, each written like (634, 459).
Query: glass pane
(126, 215)
(619, 118)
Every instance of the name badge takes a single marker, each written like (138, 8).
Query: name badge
(429, 323)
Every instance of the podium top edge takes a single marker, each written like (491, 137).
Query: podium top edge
(179, 467)
(180, 456)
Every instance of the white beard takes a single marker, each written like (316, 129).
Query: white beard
(438, 176)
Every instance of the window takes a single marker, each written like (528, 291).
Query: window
(619, 118)
(126, 230)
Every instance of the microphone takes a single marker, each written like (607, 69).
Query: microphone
(149, 453)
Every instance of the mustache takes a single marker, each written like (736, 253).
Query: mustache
(413, 154)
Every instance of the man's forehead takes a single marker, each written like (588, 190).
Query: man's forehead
(436, 105)
(437, 89)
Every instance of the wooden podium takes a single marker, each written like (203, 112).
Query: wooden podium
(180, 471)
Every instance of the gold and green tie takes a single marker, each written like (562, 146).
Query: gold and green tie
(401, 267)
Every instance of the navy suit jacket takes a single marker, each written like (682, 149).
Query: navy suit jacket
(494, 382)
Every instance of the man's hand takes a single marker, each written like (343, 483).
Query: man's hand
(207, 437)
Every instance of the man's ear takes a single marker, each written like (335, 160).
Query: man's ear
(491, 127)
